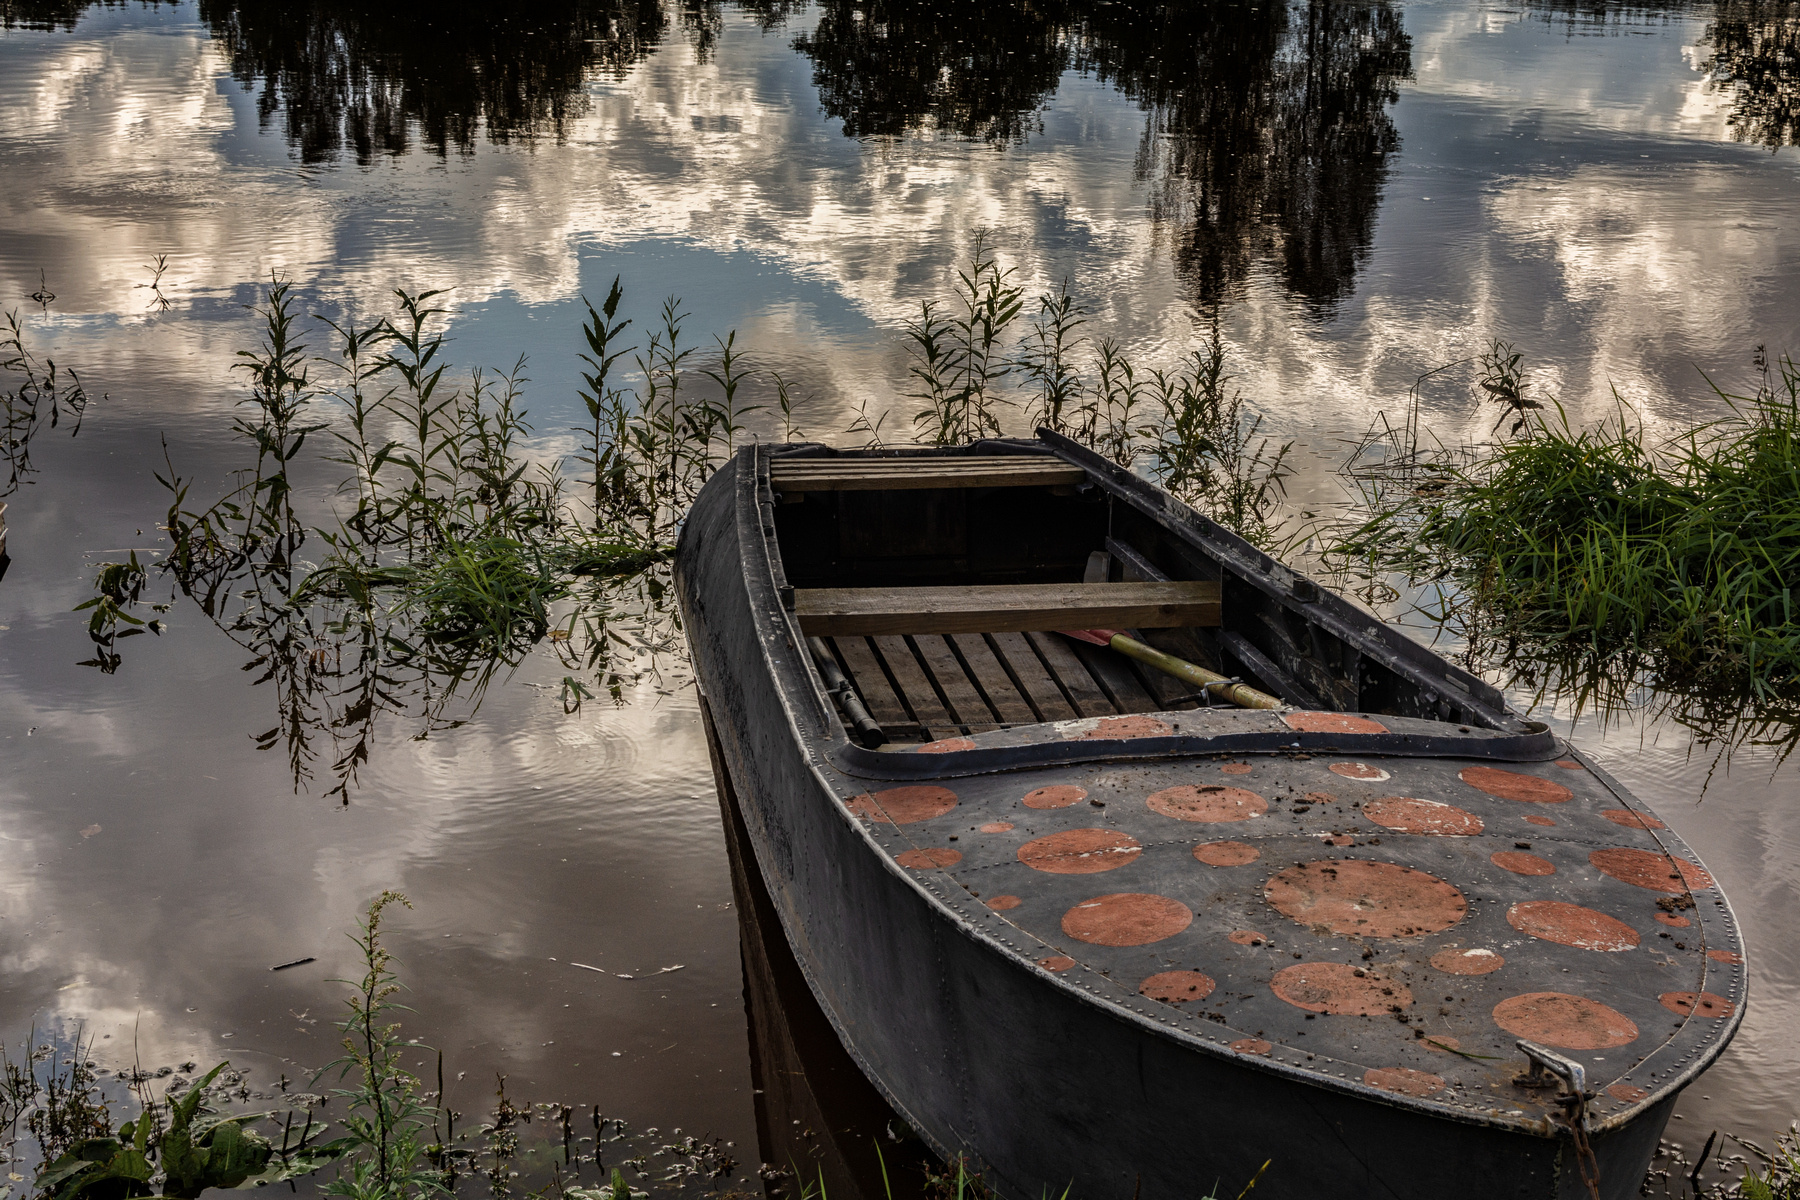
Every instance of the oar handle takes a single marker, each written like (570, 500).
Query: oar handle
(1239, 694)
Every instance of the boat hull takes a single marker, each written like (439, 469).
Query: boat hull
(1042, 1087)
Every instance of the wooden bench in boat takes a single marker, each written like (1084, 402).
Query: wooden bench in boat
(937, 662)
(912, 474)
(1011, 608)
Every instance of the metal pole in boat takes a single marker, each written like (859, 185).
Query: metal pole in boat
(868, 731)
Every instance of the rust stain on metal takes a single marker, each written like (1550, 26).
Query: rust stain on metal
(1211, 803)
(1252, 1046)
(1080, 851)
(1571, 925)
(1703, 1004)
(904, 805)
(997, 827)
(1059, 795)
(1003, 903)
(1374, 899)
(1331, 722)
(924, 860)
(946, 745)
(1569, 764)
(1725, 956)
(1521, 863)
(1565, 1021)
(1126, 919)
(1340, 989)
(1537, 820)
(1352, 770)
(1246, 937)
(1632, 820)
(1403, 1080)
(1127, 727)
(1408, 815)
(1647, 869)
(1511, 785)
(1226, 854)
(1239, 768)
(1628, 1093)
(1673, 921)
(1176, 987)
(1056, 962)
(1459, 961)
(1337, 839)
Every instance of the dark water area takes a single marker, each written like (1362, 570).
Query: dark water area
(1357, 193)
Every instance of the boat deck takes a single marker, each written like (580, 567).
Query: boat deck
(1398, 923)
(928, 687)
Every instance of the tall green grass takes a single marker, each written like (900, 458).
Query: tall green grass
(1676, 560)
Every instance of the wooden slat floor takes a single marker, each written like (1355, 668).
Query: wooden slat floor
(929, 686)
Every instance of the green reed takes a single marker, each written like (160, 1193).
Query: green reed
(1598, 550)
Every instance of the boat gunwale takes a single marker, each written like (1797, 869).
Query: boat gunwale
(826, 749)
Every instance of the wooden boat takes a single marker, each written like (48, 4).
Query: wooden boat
(1090, 931)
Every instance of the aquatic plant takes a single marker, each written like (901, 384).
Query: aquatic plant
(35, 394)
(1602, 560)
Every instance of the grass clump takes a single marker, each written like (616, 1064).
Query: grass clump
(1601, 550)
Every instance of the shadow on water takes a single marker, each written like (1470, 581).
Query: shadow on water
(817, 1116)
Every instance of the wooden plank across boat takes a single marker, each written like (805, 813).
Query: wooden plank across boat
(1086, 927)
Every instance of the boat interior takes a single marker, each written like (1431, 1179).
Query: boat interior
(936, 583)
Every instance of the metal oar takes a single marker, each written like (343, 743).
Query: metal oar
(1207, 681)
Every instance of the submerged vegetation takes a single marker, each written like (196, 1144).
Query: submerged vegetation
(1600, 562)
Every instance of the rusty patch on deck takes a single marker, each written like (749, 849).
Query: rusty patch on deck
(1364, 771)
(1725, 956)
(1177, 987)
(1701, 1004)
(1408, 815)
(1374, 899)
(946, 745)
(1127, 727)
(1632, 820)
(1003, 903)
(1403, 1080)
(1459, 961)
(1628, 1093)
(1080, 851)
(1537, 820)
(923, 860)
(1239, 768)
(1571, 925)
(1673, 921)
(1331, 722)
(1126, 919)
(1565, 1021)
(1340, 989)
(1246, 937)
(1521, 863)
(1569, 764)
(1647, 869)
(997, 827)
(1056, 962)
(1210, 802)
(1226, 854)
(1058, 795)
(1252, 1046)
(904, 805)
(1510, 785)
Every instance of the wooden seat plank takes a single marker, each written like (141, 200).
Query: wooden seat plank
(1010, 608)
(907, 474)
(871, 683)
(1039, 688)
(1112, 671)
(993, 680)
(915, 688)
(952, 680)
(1090, 700)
